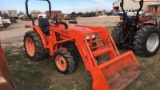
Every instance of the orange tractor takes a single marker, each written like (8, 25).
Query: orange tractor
(65, 43)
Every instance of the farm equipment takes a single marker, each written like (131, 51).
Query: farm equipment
(13, 15)
(88, 42)
(138, 32)
(6, 82)
(6, 22)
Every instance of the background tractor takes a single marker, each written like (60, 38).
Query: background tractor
(137, 31)
(89, 42)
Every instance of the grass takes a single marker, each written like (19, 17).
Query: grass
(43, 75)
(149, 79)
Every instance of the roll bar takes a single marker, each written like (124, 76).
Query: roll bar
(122, 4)
(26, 4)
(141, 5)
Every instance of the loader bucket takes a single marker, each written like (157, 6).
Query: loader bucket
(6, 82)
(117, 73)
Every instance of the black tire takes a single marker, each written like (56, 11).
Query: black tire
(38, 46)
(67, 60)
(74, 51)
(140, 40)
(72, 48)
(117, 35)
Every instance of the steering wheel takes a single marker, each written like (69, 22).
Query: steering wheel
(58, 22)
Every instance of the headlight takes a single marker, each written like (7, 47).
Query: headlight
(88, 36)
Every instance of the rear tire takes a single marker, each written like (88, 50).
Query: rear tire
(117, 35)
(64, 61)
(33, 46)
(147, 41)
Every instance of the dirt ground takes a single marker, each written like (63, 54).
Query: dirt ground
(15, 32)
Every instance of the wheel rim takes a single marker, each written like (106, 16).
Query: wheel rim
(61, 63)
(29, 44)
(152, 42)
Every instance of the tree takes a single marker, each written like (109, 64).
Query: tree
(80, 14)
(73, 13)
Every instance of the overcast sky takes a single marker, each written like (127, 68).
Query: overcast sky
(67, 6)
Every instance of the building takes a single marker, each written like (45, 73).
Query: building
(35, 13)
(149, 6)
(53, 13)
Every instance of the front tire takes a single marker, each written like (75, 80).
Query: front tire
(118, 36)
(33, 46)
(64, 61)
(147, 41)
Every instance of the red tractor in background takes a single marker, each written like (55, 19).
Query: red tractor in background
(66, 42)
(137, 31)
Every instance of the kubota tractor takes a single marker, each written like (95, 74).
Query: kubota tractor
(137, 31)
(88, 42)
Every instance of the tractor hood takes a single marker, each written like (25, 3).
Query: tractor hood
(83, 30)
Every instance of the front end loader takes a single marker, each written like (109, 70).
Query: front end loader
(115, 72)
(88, 42)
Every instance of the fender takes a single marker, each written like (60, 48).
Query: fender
(42, 36)
(40, 33)
(149, 23)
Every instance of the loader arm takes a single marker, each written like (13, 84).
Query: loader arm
(115, 73)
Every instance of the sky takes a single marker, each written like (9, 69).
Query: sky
(66, 6)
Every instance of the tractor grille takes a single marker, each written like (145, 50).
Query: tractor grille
(96, 41)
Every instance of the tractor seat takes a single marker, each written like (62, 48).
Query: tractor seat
(44, 25)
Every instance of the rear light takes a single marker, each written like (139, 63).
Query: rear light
(121, 17)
